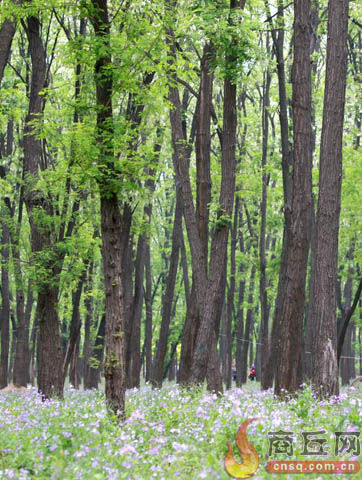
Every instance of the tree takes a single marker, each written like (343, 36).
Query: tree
(39, 210)
(111, 219)
(324, 348)
(289, 366)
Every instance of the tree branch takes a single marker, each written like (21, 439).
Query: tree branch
(346, 320)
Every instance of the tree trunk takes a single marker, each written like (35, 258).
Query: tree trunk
(247, 331)
(133, 355)
(315, 47)
(75, 324)
(324, 348)
(278, 41)
(172, 369)
(96, 361)
(308, 337)
(50, 353)
(111, 219)
(149, 319)
(346, 358)
(5, 307)
(7, 32)
(158, 367)
(230, 300)
(212, 295)
(88, 304)
(240, 310)
(74, 371)
(34, 347)
(264, 308)
(21, 374)
(49, 346)
(288, 375)
(114, 366)
(203, 199)
(188, 340)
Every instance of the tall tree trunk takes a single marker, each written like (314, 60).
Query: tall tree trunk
(240, 310)
(309, 312)
(34, 347)
(203, 199)
(133, 352)
(88, 305)
(324, 348)
(248, 327)
(22, 354)
(75, 323)
(158, 367)
(149, 319)
(50, 352)
(288, 375)
(111, 219)
(346, 358)
(150, 184)
(5, 307)
(74, 371)
(172, 368)
(315, 46)
(264, 308)
(211, 298)
(5, 256)
(96, 360)
(230, 301)
(278, 41)
(21, 374)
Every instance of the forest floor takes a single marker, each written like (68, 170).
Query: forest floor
(169, 433)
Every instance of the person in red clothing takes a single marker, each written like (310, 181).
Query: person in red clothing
(252, 372)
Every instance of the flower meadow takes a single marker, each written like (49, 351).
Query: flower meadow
(169, 433)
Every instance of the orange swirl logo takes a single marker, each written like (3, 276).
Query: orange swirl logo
(247, 452)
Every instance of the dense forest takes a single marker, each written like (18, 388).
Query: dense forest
(180, 194)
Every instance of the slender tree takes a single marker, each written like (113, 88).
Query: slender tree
(324, 348)
(111, 219)
(289, 373)
(49, 353)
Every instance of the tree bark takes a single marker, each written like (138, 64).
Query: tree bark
(230, 301)
(50, 356)
(149, 315)
(21, 374)
(5, 307)
(212, 296)
(203, 198)
(75, 324)
(158, 367)
(111, 219)
(87, 348)
(96, 360)
(133, 352)
(324, 348)
(278, 41)
(7, 32)
(248, 326)
(114, 365)
(240, 313)
(264, 308)
(288, 374)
